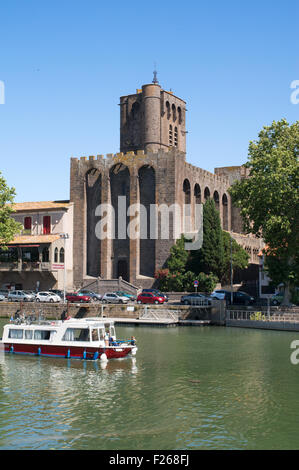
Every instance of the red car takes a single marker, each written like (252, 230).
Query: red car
(73, 297)
(150, 298)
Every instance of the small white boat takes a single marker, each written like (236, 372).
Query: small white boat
(88, 338)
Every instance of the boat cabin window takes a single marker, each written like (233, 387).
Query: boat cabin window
(15, 333)
(76, 334)
(94, 334)
(42, 334)
(28, 334)
(102, 334)
(112, 331)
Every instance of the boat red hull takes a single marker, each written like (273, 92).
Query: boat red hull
(76, 352)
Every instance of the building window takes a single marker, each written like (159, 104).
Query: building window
(168, 109)
(180, 115)
(45, 255)
(197, 194)
(27, 225)
(135, 110)
(46, 224)
(207, 194)
(170, 136)
(175, 136)
(173, 108)
(61, 255)
(56, 255)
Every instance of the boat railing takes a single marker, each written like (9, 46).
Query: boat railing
(123, 341)
(22, 319)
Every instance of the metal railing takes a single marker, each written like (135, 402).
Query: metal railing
(260, 316)
(159, 314)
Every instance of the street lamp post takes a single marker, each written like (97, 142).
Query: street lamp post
(64, 236)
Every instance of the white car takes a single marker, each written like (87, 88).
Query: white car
(114, 299)
(218, 295)
(47, 297)
(2, 297)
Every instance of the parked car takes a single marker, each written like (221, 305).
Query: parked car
(156, 292)
(4, 292)
(75, 297)
(239, 297)
(218, 295)
(18, 295)
(195, 299)
(47, 297)
(125, 294)
(94, 296)
(114, 298)
(276, 299)
(150, 298)
(30, 292)
(2, 298)
(57, 292)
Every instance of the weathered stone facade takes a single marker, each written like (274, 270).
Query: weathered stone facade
(152, 119)
(150, 169)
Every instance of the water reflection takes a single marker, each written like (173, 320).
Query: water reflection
(188, 388)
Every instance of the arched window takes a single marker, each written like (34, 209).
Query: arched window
(45, 255)
(180, 115)
(61, 255)
(187, 206)
(225, 212)
(216, 199)
(187, 191)
(56, 255)
(168, 109)
(173, 109)
(207, 193)
(197, 194)
(135, 110)
(170, 136)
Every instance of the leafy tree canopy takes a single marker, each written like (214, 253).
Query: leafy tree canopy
(269, 199)
(8, 226)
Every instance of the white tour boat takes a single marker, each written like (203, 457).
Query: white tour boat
(88, 338)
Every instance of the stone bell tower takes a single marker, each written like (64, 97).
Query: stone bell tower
(152, 119)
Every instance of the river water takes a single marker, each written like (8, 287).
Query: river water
(187, 388)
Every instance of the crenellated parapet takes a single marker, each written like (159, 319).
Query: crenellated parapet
(129, 159)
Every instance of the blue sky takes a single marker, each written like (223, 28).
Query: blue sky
(66, 63)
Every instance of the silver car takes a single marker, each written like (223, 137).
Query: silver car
(195, 299)
(114, 299)
(18, 295)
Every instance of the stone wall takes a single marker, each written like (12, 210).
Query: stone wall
(215, 313)
(154, 177)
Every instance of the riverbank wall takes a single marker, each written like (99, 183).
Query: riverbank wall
(286, 325)
(213, 314)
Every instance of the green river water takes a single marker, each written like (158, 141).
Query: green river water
(187, 388)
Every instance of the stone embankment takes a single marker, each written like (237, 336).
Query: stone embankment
(214, 314)
(278, 318)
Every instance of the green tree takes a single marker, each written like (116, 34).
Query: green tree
(210, 258)
(176, 277)
(8, 226)
(232, 252)
(178, 256)
(269, 199)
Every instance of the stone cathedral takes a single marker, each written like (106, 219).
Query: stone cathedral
(150, 169)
